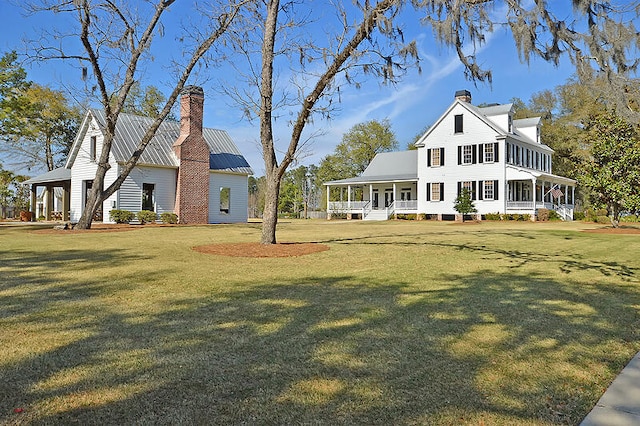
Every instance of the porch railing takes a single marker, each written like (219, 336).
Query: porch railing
(406, 204)
(346, 206)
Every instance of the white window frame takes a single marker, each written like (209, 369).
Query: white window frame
(435, 155)
(489, 154)
(488, 190)
(467, 154)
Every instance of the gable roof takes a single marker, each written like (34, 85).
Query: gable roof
(387, 167)
(130, 129)
(485, 114)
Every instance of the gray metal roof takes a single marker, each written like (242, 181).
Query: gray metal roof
(387, 167)
(130, 129)
(492, 110)
(60, 174)
(527, 122)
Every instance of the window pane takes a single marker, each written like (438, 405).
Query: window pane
(225, 200)
(488, 190)
(467, 154)
(488, 153)
(458, 123)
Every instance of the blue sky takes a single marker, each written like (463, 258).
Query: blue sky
(417, 101)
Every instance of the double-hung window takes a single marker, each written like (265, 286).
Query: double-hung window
(489, 154)
(467, 154)
(489, 190)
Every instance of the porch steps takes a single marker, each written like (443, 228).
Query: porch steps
(376, 215)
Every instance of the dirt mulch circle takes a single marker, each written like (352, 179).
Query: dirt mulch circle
(612, 230)
(262, 250)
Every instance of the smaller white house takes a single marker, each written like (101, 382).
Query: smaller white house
(197, 173)
(500, 160)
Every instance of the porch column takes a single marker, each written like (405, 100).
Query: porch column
(349, 215)
(534, 190)
(328, 198)
(371, 195)
(34, 193)
(395, 213)
(49, 206)
(573, 195)
(66, 202)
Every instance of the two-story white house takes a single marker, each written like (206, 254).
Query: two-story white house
(501, 161)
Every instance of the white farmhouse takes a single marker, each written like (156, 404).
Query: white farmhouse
(195, 172)
(501, 161)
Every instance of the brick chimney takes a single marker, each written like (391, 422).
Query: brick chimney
(192, 194)
(464, 96)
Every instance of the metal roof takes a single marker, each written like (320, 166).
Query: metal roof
(60, 174)
(130, 129)
(387, 167)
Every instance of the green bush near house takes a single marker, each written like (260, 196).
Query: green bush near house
(553, 215)
(121, 216)
(578, 215)
(493, 216)
(168, 217)
(147, 216)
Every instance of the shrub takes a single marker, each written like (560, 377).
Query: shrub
(578, 216)
(603, 219)
(543, 215)
(121, 216)
(168, 217)
(553, 215)
(146, 216)
(407, 217)
(492, 216)
(629, 218)
(525, 217)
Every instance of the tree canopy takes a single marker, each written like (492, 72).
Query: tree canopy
(613, 171)
(358, 147)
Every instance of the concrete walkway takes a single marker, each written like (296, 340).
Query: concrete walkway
(620, 404)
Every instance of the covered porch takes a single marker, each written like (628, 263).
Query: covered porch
(529, 191)
(371, 199)
(56, 179)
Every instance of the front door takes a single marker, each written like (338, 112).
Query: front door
(388, 198)
(376, 200)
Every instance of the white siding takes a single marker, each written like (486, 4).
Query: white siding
(475, 132)
(164, 181)
(84, 169)
(238, 201)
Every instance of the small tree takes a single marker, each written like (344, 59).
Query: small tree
(463, 203)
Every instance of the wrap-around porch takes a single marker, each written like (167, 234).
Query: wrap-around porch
(529, 191)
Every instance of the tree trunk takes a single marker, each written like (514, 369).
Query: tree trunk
(270, 214)
(94, 199)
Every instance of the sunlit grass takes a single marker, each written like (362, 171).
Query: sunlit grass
(398, 323)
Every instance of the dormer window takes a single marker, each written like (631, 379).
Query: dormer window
(510, 124)
(458, 128)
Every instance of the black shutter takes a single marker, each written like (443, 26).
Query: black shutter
(480, 153)
(429, 157)
(428, 192)
(473, 190)
(459, 155)
(442, 190)
(474, 158)
(496, 157)
(459, 188)
(495, 189)
(442, 156)
(480, 190)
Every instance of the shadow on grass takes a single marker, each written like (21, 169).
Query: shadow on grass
(506, 348)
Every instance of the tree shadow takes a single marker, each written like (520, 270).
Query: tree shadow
(337, 351)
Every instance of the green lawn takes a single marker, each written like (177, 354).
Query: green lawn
(398, 323)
